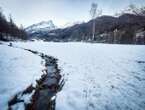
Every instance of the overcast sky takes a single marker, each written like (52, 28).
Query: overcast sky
(28, 12)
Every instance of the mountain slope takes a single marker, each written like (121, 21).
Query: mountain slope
(42, 26)
(109, 29)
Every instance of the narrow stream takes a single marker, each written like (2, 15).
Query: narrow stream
(42, 96)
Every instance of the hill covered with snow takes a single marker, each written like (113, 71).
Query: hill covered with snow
(98, 76)
(41, 27)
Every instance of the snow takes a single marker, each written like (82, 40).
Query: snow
(98, 76)
(19, 106)
(42, 26)
(70, 24)
(19, 69)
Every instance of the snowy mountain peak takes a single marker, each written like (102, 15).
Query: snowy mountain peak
(70, 24)
(41, 26)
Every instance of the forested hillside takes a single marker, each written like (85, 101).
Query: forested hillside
(126, 28)
(9, 30)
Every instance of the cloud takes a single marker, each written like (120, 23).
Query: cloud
(28, 12)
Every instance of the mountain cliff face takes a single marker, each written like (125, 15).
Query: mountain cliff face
(109, 29)
(42, 26)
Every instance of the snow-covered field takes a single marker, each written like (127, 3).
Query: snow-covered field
(18, 69)
(98, 76)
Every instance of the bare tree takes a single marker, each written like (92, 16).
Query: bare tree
(137, 10)
(94, 12)
(133, 9)
(93, 15)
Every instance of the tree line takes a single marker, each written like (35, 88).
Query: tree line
(9, 30)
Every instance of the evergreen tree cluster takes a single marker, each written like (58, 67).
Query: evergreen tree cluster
(9, 30)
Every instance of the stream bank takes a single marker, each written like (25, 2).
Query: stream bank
(42, 95)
